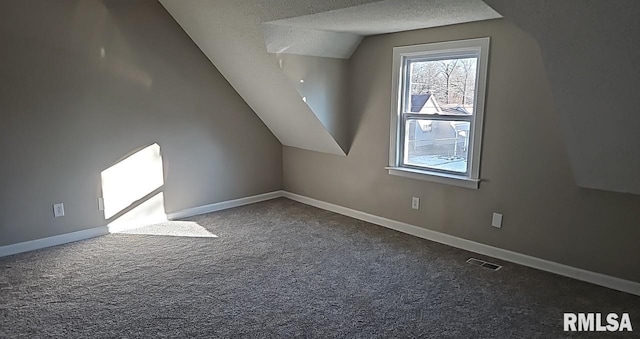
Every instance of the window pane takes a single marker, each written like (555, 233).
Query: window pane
(437, 144)
(444, 86)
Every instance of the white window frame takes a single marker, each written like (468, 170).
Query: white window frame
(471, 178)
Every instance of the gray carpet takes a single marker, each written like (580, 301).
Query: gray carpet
(283, 269)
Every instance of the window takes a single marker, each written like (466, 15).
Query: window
(438, 105)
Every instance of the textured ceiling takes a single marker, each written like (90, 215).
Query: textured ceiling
(303, 41)
(232, 35)
(337, 33)
(394, 16)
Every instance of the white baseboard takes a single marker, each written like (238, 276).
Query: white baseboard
(506, 255)
(52, 241)
(104, 230)
(224, 205)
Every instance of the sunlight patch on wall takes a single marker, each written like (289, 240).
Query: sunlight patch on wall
(131, 190)
(151, 211)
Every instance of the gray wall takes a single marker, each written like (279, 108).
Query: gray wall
(525, 168)
(67, 113)
(593, 64)
(324, 87)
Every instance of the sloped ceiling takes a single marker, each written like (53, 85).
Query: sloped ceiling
(589, 50)
(228, 32)
(591, 53)
(246, 41)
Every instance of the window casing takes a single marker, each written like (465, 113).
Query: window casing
(437, 111)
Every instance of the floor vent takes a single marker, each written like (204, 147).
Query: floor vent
(485, 264)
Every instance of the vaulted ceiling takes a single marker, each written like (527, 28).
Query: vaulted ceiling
(286, 58)
(254, 44)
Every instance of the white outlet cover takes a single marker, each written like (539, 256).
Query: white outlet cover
(497, 220)
(58, 210)
(415, 203)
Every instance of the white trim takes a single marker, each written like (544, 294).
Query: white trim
(189, 212)
(506, 255)
(398, 87)
(104, 230)
(441, 178)
(37, 244)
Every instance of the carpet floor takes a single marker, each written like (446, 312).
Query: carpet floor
(283, 269)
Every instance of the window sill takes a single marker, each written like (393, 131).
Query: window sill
(441, 178)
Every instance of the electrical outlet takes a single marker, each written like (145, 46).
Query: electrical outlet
(415, 203)
(497, 220)
(58, 210)
(100, 204)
